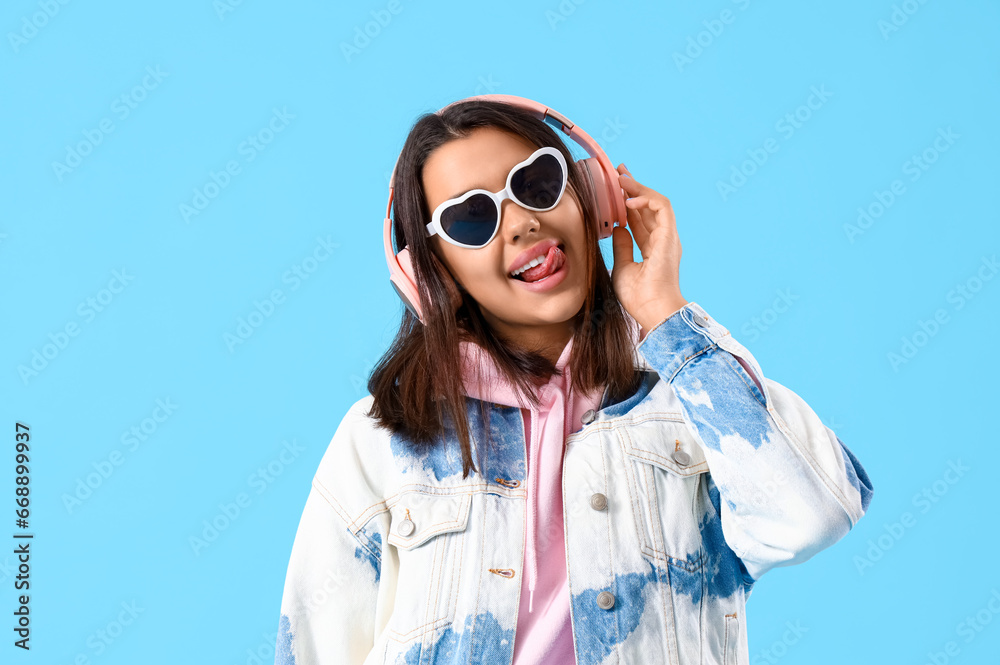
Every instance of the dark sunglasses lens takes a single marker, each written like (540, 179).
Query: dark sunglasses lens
(472, 221)
(539, 183)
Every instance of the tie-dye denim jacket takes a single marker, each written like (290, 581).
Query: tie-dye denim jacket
(675, 502)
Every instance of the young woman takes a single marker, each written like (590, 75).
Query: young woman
(555, 465)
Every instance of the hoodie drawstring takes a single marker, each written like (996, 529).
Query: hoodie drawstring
(533, 508)
(556, 419)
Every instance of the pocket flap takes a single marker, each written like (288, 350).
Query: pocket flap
(417, 516)
(668, 444)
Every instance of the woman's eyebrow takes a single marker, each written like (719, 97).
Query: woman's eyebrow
(466, 191)
(455, 196)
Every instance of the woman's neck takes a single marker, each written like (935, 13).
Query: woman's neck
(549, 339)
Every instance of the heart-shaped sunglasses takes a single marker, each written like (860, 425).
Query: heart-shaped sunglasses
(473, 219)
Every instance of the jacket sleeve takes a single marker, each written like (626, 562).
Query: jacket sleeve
(332, 597)
(789, 486)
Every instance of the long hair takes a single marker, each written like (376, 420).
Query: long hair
(412, 395)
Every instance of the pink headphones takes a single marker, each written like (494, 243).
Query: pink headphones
(601, 172)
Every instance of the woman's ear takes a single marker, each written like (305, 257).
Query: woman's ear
(449, 282)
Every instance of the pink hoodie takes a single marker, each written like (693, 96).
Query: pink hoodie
(542, 636)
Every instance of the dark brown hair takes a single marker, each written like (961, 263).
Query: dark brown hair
(411, 398)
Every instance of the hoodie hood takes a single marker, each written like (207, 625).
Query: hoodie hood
(493, 386)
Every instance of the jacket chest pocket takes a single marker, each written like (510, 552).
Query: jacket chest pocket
(427, 531)
(664, 466)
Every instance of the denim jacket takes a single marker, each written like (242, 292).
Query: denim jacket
(675, 502)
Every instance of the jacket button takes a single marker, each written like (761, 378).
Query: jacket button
(598, 501)
(605, 600)
(588, 417)
(700, 320)
(405, 527)
(681, 457)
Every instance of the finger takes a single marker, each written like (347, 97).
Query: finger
(658, 226)
(646, 216)
(664, 212)
(638, 227)
(621, 243)
(630, 185)
(636, 189)
(631, 188)
(660, 211)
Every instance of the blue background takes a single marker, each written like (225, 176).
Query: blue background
(821, 307)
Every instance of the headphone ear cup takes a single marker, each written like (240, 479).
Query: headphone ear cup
(406, 284)
(608, 212)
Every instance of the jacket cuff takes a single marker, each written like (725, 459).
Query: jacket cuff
(686, 333)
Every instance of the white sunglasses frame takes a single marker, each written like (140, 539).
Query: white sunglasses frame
(434, 227)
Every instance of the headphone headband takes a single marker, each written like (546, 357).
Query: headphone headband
(601, 172)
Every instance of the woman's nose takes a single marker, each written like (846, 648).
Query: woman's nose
(516, 221)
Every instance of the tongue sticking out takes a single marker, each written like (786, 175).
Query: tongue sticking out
(554, 260)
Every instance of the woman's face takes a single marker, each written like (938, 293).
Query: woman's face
(536, 316)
